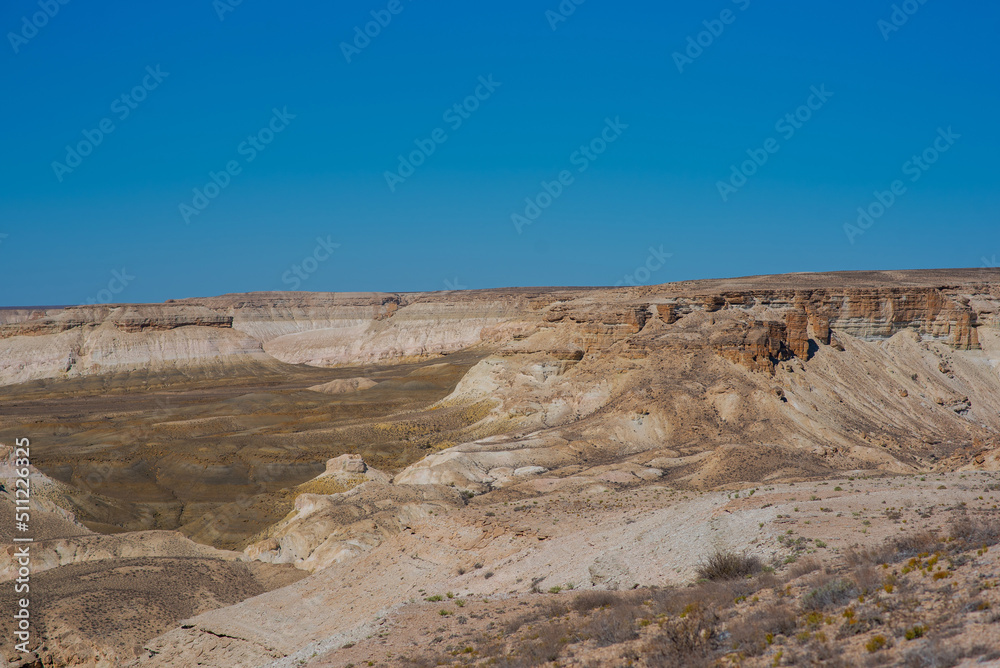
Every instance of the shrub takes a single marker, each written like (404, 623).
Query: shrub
(895, 550)
(828, 593)
(754, 633)
(514, 624)
(803, 567)
(969, 533)
(719, 594)
(543, 647)
(612, 625)
(914, 544)
(684, 641)
(875, 644)
(867, 578)
(727, 565)
(587, 601)
(932, 655)
(555, 609)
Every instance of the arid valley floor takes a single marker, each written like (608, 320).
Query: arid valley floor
(776, 470)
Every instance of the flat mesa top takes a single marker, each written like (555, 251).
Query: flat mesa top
(903, 278)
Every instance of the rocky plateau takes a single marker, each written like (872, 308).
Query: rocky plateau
(287, 479)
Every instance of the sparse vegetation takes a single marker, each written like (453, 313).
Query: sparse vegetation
(876, 643)
(727, 565)
(739, 613)
(828, 592)
(803, 567)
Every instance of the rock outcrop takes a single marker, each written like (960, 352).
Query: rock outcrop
(324, 529)
(760, 345)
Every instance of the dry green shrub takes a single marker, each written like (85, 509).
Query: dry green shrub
(827, 592)
(876, 643)
(687, 640)
(728, 565)
(753, 633)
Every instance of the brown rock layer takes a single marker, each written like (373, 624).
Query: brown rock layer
(755, 345)
(873, 313)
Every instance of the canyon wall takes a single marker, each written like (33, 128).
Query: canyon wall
(332, 329)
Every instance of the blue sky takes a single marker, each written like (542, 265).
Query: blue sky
(639, 118)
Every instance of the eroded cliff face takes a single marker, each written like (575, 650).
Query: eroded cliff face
(328, 329)
(317, 329)
(500, 394)
(762, 359)
(884, 377)
(940, 313)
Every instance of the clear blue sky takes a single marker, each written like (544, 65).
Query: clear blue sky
(449, 223)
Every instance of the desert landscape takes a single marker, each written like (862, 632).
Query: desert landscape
(775, 470)
(500, 335)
